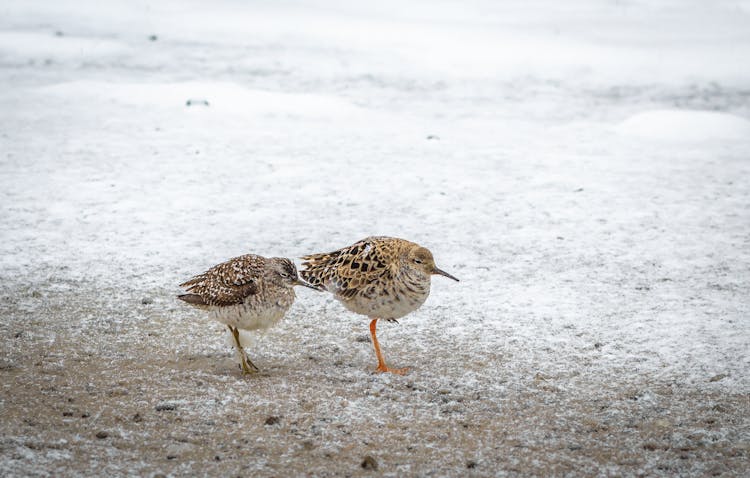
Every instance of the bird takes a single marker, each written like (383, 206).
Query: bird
(380, 277)
(248, 292)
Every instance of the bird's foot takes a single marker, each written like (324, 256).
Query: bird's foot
(383, 368)
(248, 367)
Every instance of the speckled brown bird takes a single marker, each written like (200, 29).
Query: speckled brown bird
(380, 277)
(248, 292)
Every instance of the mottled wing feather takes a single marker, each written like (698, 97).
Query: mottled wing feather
(350, 270)
(228, 283)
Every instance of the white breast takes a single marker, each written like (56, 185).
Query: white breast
(398, 302)
(257, 313)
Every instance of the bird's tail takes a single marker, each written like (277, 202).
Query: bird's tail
(317, 268)
(192, 299)
(195, 281)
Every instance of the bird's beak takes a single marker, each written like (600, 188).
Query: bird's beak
(303, 283)
(443, 273)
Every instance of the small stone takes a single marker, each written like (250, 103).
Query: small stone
(362, 338)
(153, 37)
(147, 301)
(161, 407)
(5, 365)
(717, 470)
(471, 465)
(85, 415)
(176, 450)
(102, 435)
(196, 102)
(369, 463)
(433, 137)
(273, 420)
(67, 414)
(58, 33)
(662, 423)
(718, 377)
(117, 392)
(137, 417)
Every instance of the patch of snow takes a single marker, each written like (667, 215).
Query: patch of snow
(686, 126)
(222, 97)
(24, 46)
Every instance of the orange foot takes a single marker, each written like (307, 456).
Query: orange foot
(383, 368)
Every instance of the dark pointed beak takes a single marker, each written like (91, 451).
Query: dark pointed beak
(303, 283)
(443, 273)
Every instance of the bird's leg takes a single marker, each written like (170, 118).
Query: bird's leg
(248, 367)
(382, 367)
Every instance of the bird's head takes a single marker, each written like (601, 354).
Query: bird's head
(283, 272)
(420, 259)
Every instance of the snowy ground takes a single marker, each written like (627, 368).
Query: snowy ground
(558, 157)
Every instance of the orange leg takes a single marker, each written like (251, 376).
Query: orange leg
(382, 367)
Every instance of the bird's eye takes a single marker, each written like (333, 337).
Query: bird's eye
(417, 260)
(284, 275)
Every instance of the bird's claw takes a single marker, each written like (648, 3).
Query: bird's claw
(397, 371)
(248, 367)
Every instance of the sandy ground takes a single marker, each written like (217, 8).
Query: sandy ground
(81, 396)
(551, 157)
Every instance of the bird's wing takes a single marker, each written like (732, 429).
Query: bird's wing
(228, 283)
(347, 271)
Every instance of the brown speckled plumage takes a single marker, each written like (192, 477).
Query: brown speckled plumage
(248, 292)
(380, 277)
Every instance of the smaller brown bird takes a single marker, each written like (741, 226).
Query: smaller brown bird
(248, 292)
(380, 277)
